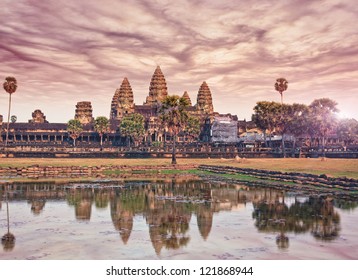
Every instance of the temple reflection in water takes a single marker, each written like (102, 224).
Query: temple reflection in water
(168, 207)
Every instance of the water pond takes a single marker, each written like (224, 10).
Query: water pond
(173, 219)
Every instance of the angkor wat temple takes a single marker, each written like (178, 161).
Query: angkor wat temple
(214, 126)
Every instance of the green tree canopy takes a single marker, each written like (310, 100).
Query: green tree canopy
(322, 118)
(192, 128)
(74, 128)
(266, 116)
(174, 117)
(347, 130)
(132, 127)
(101, 126)
(298, 114)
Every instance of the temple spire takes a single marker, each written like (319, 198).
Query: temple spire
(123, 101)
(157, 89)
(187, 97)
(204, 100)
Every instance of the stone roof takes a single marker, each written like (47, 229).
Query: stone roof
(44, 127)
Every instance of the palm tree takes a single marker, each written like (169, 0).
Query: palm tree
(74, 128)
(101, 125)
(281, 86)
(174, 117)
(10, 86)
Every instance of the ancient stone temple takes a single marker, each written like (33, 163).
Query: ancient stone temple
(187, 97)
(38, 117)
(84, 112)
(123, 101)
(157, 89)
(38, 130)
(204, 103)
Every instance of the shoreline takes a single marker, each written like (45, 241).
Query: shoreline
(289, 181)
(330, 167)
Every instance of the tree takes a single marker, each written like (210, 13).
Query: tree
(347, 130)
(281, 85)
(74, 128)
(101, 126)
(265, 117)
(174, 117)
(298, 122)
(10, 86)
(13, 119)
(192, 128)
(283, 123)
(322, 118)
(132, 127)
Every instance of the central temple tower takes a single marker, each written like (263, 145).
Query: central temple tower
(158, 88)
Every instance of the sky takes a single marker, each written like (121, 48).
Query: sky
(62, 52)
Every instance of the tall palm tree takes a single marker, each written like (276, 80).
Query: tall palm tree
(74, 128)
(281, 85)
(174, 117)
(101, 125)
(10, 86)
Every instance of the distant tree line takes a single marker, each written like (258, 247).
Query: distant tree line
(317, 120)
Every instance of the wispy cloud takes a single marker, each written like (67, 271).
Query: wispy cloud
(67, 51)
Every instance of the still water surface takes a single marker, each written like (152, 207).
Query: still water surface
(174, 219)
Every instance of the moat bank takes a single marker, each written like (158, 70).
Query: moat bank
(331, 167)
(232, 174)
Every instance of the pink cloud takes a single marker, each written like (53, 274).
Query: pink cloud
(62, 53)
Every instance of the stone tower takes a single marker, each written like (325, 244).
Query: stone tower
(204, 103)
(157, 89)
(38, 117)
(187, 97)
(123, 101)
(84, 112)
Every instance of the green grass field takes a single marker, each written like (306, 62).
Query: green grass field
(330, 167)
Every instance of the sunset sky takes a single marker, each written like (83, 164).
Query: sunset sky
(62, 52)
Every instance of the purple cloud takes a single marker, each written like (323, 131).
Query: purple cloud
(63, 52)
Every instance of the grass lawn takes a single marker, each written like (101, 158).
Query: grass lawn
(330, 167)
